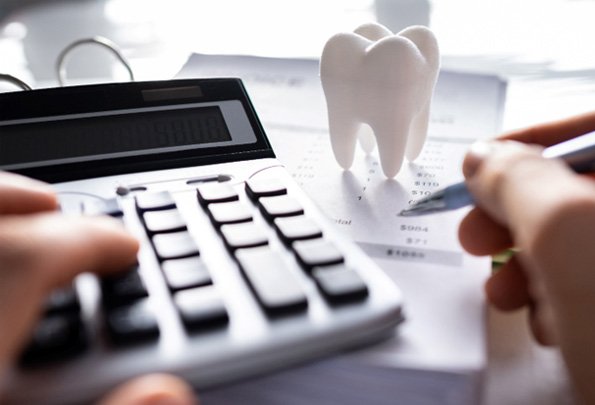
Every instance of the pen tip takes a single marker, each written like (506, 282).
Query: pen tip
(408, 212)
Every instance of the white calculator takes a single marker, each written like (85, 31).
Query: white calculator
(238, 274)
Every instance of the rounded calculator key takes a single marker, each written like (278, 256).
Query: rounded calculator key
(109, 207)
(317, 252)
(186, 273)
(216, 193)
(132, 323)
(275, 285)
(256, 188)
(297, 228)
(55, 337)
(246, 235)
(122, 288)
(154, 201)
(174, 245)
(233, 212)
(201, 307)
(279, 206)
(163, 221)
(339, 283)
(63, 300)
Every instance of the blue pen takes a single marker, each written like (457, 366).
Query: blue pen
(578, 153)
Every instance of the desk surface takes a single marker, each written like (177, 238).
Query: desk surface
(544, 59)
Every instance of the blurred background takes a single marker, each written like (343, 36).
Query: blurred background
(545, 45)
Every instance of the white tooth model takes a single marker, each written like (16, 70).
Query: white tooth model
(379, 84)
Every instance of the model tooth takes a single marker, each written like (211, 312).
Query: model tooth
(379, 85)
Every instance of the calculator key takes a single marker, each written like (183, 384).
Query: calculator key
(339, 283)
(163, 221)
(229, 213)
(246, 235)
(216, 193)
(276, 287)
(56, 337)
(63, 300)
(186, 273)
(297, 228)
(174, 245)
(279, 206)
(317, 252)
(155, 201)
(201, 307)
(110, 206)
(123, 288)
(132, 323)
(256, 188)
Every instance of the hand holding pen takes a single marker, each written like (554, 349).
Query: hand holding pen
(578, 153)
(544, 209)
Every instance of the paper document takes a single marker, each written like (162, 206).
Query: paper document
(444, 333)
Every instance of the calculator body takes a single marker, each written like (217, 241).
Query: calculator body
(204, 137)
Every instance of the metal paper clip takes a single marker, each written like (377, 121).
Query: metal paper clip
(101, 41)
(14, 80)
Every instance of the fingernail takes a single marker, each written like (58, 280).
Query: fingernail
(475, 155)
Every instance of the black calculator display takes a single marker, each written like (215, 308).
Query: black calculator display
(109, 129)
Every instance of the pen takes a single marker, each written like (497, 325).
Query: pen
(578, 153)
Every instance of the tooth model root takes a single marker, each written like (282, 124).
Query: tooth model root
(391, 147)
(344, 143)
(366, 138)
(378, 88)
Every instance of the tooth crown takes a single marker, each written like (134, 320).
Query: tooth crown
(379, 85)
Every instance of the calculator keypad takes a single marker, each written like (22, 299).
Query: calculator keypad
(60, 333)
(279, 251)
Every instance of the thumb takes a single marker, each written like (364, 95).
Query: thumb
(153, 389)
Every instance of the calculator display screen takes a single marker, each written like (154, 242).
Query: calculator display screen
(105, 135)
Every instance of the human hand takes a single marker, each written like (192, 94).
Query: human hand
(41, 250)
(548, 213)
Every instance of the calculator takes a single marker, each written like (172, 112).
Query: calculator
(238, 274)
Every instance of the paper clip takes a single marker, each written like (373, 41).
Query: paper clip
(14, 80)
(101, 41)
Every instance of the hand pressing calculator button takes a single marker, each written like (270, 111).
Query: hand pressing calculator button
(238, 272)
